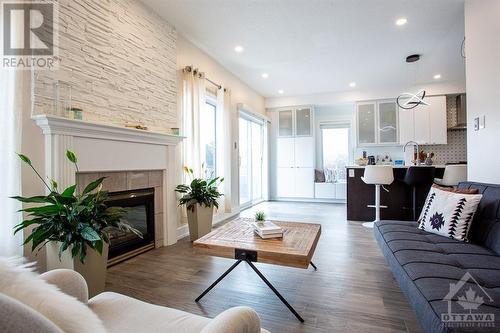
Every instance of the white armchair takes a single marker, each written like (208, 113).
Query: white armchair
(120, 313)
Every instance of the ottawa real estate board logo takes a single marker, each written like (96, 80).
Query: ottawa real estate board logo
(29, 34)
(468, 305)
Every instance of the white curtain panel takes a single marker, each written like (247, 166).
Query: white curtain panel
(193, 102)
(224, 146)
(11, 82)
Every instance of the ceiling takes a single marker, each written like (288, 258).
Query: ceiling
(317, 46)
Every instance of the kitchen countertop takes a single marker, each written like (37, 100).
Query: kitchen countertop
(397, 166)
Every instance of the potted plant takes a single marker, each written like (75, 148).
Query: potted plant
(260, 217)
(72, 226)
(200, 198)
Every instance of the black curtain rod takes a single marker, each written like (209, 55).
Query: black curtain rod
(190, 69)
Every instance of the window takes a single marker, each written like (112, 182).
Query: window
(208, 142)
(335, 143)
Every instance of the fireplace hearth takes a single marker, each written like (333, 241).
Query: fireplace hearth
(140, 214)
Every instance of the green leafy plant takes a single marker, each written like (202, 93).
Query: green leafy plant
(201, 191)
(260, 217)
(76, 220)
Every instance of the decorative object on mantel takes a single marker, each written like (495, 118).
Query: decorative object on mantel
(75, 113)
(73, 227)
(62, 98)
(175, 131)
(200, 198)
(137, 126)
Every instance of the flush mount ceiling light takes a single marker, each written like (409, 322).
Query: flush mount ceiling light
(238, 48)
(281, 91)
(401, 21)
(352, 84)
(265, 75)
(437, 76)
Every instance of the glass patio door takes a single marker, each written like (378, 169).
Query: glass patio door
(251, 158)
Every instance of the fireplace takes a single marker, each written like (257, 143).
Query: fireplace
(141, 215)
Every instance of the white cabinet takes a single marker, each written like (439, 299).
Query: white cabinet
(304, 152)
(377, 123)
(366, 123)
(425, 124)
(336, 191)
(285, 123)
(303, 122)
(285, 151)
(295, 167)
(295, 122)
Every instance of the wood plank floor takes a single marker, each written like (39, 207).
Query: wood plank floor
(352, 291)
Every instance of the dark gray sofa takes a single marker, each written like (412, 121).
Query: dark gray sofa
(425, 264)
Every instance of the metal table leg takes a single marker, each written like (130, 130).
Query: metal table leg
(219, 279)
(276, 292)
(263, 279)
(314, 266)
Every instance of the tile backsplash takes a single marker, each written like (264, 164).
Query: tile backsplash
(453, 152)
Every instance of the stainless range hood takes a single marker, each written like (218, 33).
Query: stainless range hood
(460, 113)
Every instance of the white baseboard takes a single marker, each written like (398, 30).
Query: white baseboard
(183, 230)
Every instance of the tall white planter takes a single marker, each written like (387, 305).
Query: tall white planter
(200, 221)
(94, 269)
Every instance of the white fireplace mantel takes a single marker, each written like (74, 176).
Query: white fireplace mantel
(101, 148)
(64, 126)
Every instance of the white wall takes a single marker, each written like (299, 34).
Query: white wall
(482, 28)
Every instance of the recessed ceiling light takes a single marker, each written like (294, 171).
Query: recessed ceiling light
(281, 91)
(352, 84)
(437, 76)
(265, 75)
(238, 48)
(401, 21)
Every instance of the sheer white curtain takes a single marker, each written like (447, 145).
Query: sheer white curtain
(193, 102)
(224, 147)
(11, 84)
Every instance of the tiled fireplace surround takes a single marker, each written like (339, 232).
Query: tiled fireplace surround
(129, 158)
(132, 180)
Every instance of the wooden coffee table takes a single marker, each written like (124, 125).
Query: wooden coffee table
(237, 240)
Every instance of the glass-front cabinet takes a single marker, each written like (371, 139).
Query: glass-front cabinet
(285, 121)
(303, 122)
(387, 122)
(366, 123)
(377, 123)
(295, 122)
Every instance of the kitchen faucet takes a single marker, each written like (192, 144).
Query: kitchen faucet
(415, 145)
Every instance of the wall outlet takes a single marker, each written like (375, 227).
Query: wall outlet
(482, 122)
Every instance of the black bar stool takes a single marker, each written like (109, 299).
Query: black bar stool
(422, 177)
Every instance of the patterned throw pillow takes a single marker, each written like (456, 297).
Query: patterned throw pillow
(449, 214)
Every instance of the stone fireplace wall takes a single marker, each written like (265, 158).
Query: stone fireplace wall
(119, 57)
(132, 180)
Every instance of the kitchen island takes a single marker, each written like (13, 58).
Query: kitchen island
(398, 200)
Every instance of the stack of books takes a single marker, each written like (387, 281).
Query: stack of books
(267, 230)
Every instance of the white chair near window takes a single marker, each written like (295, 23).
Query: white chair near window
(453, 175)
(377, 175)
